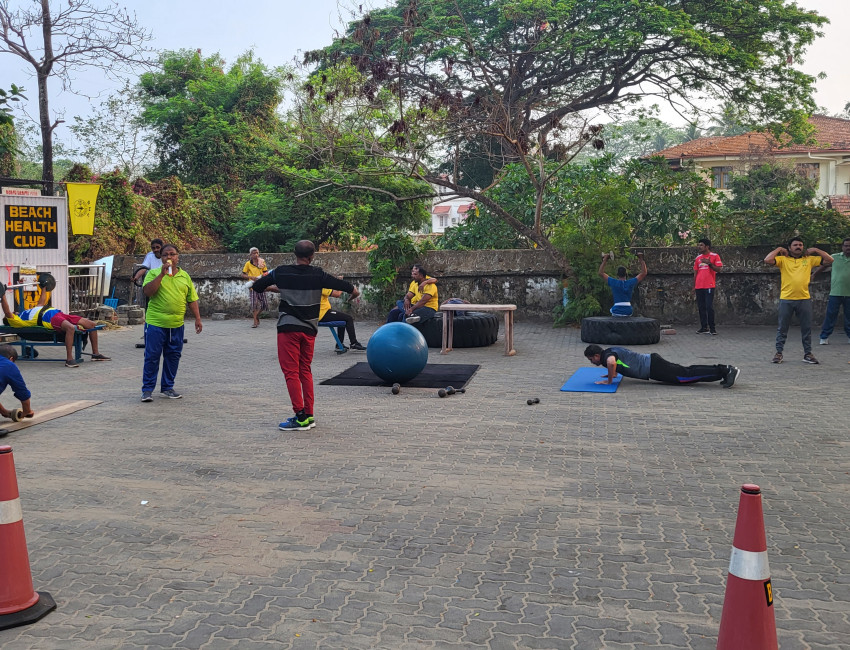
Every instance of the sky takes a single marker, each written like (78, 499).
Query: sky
(281, 30)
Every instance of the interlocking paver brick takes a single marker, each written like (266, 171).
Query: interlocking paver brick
(585, 521)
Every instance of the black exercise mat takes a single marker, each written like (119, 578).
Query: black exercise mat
(435, 375)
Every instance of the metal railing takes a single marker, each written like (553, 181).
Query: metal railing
(86, 288)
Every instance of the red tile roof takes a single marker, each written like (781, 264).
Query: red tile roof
(840, 203)
(465, 208)
(441, 209)
(832, 136)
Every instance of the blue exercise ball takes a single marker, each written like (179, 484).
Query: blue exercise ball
(397, 352)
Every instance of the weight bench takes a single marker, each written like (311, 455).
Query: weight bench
(32, 337)
(332, 325)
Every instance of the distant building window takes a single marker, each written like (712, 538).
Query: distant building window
(443, 219)
(721, 177)
(809, 170)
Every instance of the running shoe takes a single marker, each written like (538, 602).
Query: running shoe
(824, 341)
(412, 319)
(294, 424)
(777, 358)
(171, 394)
(732, 374)
(72, 364)
(702, 330)
(358, 346)
(810, 358)
(147, 396)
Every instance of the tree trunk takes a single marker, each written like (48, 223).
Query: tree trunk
(46, 137)
(43, 113)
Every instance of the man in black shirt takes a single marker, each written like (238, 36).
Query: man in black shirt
(300, 286)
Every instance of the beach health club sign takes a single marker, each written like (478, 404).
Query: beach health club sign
(30, 226)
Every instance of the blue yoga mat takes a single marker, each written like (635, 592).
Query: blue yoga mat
(582, 381)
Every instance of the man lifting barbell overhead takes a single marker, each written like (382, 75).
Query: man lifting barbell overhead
(52, 319)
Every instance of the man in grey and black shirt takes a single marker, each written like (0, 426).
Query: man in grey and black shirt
(653, 366)
(300, 286)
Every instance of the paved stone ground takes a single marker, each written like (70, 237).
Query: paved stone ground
(587, 521)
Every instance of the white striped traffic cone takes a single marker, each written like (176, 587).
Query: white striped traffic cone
(747, 621)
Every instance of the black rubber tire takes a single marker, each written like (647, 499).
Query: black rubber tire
(475, 329)
(614, 330)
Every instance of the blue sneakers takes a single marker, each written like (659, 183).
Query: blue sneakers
(294, 424)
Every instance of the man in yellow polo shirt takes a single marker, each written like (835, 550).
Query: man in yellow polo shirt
(795, 270)
(420, 302)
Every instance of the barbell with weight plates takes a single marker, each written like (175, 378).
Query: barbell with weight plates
(45, 281)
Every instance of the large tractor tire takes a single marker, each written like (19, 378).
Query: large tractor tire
(616, 330)
(474, 329)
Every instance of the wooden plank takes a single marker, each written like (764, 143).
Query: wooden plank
(49, 413)
(472, 307)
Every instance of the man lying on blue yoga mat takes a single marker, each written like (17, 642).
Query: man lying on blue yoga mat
(653, 366)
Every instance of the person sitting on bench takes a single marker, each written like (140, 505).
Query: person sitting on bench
(621, 286)
(420, 302)
(328, 315)
(11, 376)
(54, 319)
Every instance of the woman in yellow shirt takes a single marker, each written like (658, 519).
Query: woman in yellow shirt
(254, 269)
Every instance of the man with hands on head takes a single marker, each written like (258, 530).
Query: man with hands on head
(621, 287)
(795, 269)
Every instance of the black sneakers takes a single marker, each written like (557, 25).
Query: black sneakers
(732, 374)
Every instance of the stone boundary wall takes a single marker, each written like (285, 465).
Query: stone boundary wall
(747, 290)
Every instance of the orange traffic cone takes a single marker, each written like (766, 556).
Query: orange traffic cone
(747, 620)
(19, 604)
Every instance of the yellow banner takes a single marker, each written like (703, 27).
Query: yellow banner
(82, 198)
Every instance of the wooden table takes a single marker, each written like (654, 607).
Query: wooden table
(449, 321)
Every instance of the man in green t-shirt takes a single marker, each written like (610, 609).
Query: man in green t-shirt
(839, 294)
(169, 290)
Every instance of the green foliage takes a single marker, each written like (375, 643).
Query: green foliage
(453, 76)
(669, 205)
(393, 252)
(481, 230)
(769, 184)
(128, 216)
(8, 135)
(210, 125)
(597, 223)
(772, 202)
(774, 227)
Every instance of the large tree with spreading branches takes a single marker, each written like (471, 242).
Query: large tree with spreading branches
(56, 40)
(446, 90)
